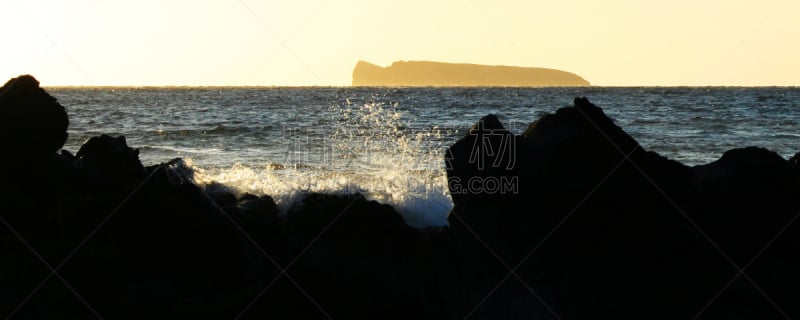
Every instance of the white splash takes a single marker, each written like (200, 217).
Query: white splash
(368, 149)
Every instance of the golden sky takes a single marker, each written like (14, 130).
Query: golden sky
(317, 42)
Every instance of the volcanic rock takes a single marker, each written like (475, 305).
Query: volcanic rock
(600, 227)
(32, 123)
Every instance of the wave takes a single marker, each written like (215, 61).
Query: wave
(214, 130)
(422, 198)
(204, 151)
(785, 135)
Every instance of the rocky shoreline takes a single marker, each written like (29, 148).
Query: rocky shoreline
(585, 224)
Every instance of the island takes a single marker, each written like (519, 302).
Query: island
(440, 74)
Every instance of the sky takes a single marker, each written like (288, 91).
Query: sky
(318, 42)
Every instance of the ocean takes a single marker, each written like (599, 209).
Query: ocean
(389, 143)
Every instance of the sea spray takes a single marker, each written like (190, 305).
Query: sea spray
(367, 149)
(281, 141)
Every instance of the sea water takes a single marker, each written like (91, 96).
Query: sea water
(389, 143)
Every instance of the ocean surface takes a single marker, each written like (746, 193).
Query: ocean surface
(388, 143)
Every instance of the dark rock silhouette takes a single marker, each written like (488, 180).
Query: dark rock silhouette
(794, 163)
(132, 246)
(32, 123)
(571, 220)
(361, 258)
(132, 242)
(440, 74)
(601, 228)
(108, 161)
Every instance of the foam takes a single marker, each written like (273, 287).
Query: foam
(422, 201)
(367, 150)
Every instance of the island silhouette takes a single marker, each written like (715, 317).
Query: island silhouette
(441, 74)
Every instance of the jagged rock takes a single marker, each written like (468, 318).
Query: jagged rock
(260, 219)
(492, 153)
(32, 123)
(750, 189)
(346, 242)
(587, 224)
(136, 243)
(603, 228)
(108, 161)
(794, 162)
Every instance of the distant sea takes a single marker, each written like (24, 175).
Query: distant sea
(389, 143)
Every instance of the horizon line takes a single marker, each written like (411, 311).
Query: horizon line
(172, 86)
